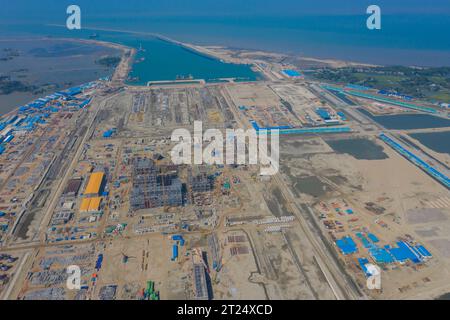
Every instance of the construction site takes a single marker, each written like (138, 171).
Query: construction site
(92, 183)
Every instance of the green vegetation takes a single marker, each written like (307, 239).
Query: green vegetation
(110, 62)
(425, 83)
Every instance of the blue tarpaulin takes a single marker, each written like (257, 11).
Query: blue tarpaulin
(364, 240)
(373, 238)
(324, 114)
(292, 73)
(424, 252)
(109, 133)
(404, 252)
(362, 263)
(381, 255)
(99, 262)
(174, 252)
(347, 245)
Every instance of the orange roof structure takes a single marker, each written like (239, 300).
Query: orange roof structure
(85, 205)
(94, 205)
(90, 204)
(95, 183)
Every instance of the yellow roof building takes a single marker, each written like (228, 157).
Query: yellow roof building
(85, 205)
(90, 204)
(95, 183)
(94, 205)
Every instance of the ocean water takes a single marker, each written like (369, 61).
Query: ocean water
(411, 39)
(159, 60)
(404, 39)
(163, 60)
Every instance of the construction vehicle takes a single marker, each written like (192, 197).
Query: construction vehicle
(150, 293)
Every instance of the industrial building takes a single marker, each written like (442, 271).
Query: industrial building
(200, 285)
(201, 183)
(73, 186)
(200, 187)
(152, 188)
(61, 218)
(96, 184)
(90, 204)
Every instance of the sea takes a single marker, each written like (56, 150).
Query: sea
(404, 39)
(156, 60)
(410, 39)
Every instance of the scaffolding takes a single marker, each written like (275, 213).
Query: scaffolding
(152, 188)
(200, 284)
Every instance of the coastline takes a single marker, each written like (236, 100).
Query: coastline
(124, 122)
(196, 48)
(253, 58)
(127, 56)
(120, 72)
(208, 50)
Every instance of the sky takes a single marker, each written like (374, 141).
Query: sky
(49, 10)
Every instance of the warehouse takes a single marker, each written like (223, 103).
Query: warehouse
(200, 284)
(94, 204)
(152, 189)
(72, 187)
(90, 204)
(61, 218)
(96, 184)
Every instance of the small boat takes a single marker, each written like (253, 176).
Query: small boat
(182, 77)
(140, 48)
